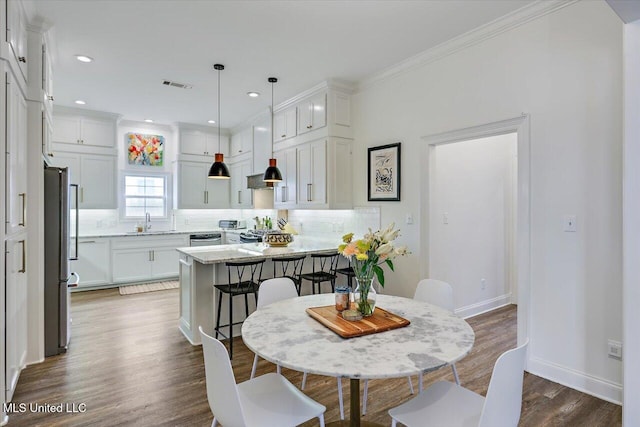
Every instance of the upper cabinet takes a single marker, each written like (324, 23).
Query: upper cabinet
(95, 176)
(78, 130)
(242, 142)
(195, 190)
(16, 31)
(284, 123)
(241, 196)
(201, 142)
(312, 113)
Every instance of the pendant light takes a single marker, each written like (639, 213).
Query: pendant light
(218, 169)
(272, 174)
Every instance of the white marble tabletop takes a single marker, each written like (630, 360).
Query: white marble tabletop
(285, 334)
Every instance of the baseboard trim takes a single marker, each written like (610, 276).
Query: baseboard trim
(484, 306)
(597, 387)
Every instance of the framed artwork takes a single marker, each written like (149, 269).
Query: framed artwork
(384, 173)
(145, 150)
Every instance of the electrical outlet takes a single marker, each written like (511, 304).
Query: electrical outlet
(409, 219)
(483, 284)
(614, 349)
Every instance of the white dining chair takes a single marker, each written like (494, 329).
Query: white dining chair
(267, 401)
(432, 291)
(448, 404)
(270, 291)
(274, 290)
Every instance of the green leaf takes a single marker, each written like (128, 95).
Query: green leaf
(390, 264)
(379, 274)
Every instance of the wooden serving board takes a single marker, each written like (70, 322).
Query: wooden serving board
(381, 320)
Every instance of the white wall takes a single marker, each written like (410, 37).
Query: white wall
(631, 295)
(473, 186)
(564, 69)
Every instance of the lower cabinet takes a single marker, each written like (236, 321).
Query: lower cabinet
(16, 312)
(105, 261)
(145, 258)
(93, 264)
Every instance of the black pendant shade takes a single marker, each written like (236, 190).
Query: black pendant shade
(218, 169)
(272, 174)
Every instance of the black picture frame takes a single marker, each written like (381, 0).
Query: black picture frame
(384, 173)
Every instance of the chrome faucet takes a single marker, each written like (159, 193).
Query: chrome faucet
(147, 221)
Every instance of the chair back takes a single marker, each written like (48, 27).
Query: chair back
(435, 292)
(503, 403)
(247, 271)
(222, 391)
(327, 263)
(273, 290)
(289, 266)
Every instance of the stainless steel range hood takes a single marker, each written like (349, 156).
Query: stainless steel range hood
(255, 182)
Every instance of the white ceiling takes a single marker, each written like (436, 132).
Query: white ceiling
(139, 43)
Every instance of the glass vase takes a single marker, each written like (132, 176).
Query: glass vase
(365, 296)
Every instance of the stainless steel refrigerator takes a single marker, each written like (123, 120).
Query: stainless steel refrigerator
(58, 251)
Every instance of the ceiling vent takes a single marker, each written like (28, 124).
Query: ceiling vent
(176, 84)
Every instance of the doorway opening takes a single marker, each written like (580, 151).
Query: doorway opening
(475, 208)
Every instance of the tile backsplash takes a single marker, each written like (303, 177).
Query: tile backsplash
(326, 223)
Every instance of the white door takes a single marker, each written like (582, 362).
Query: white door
(98, 133)
(93, 264)
(97, 179)
(66, 130)
(131, 265)
(191, 185)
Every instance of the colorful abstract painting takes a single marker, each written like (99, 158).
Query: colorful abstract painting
(146, 150)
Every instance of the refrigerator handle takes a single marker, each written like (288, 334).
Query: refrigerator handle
(77, 222)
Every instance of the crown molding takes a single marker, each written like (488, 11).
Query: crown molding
(333, 84)
(498, 26)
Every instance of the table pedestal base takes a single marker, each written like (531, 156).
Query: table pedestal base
(347, 423)
(355, 421)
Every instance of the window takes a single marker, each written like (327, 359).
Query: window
(145, 194)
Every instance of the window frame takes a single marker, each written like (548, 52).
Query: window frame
(123, 193)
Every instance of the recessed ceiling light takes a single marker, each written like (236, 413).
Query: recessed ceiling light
(253, 94)
(148, 120)
(84, 58)
(80, 102)
(211, 122)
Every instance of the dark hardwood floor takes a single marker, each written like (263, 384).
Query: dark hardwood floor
(129, 365)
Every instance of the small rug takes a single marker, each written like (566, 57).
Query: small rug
(148, 287)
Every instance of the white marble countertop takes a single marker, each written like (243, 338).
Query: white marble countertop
(154, 233)
(254, 251)
(285, 334)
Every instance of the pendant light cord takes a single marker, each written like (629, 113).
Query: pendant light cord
(272, 115)
(219, 110)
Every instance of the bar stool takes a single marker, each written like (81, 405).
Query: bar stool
(347, 271)
(283, 265)
(234, 289)
(324, 270)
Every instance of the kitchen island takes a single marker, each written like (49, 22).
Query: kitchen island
(202, 267)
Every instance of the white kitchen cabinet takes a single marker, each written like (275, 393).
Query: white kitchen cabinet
(196, 142)
(47, 78)
(284, 124)
(95, 175)
(285, 192)
(242, 142)
(196, 191)
(78, 130)
(261, 145)
(47, 135)
(312, 174)
(17, 33)
(312, 113)
(16, 156)
(93, 264)
(241, 196)
(145, 258)
(16, 311)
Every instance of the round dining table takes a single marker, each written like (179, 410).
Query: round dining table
(283, 333)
